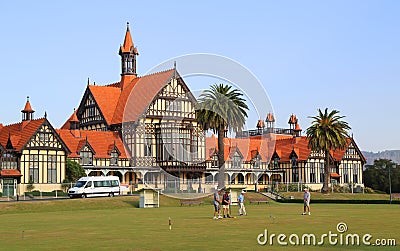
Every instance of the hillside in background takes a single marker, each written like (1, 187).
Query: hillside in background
(393, 155)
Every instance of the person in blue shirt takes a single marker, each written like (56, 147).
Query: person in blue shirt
(217, 202)
(242, 209)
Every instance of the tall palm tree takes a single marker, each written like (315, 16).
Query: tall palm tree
(327, 132)
(221, 108)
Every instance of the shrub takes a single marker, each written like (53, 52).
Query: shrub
(368, 190)
(30, 186)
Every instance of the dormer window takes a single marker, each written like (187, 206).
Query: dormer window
(294, 161)
(236, 161)
(275, 163)
(257, 162)
(114, 158)
(86, 158)
(214, 161)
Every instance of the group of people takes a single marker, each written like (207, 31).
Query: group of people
(225, 202)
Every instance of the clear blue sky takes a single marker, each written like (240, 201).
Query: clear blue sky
(343, 55)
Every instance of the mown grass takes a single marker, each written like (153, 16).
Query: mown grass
(337, 196)
(118, 224)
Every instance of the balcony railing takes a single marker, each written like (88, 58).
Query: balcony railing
(263, 131)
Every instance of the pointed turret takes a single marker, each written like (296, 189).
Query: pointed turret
(27, 112)
(270, 120)
(260, 124)
(292, 121)
(128, 53)
(74, 121)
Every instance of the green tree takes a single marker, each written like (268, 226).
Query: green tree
(376, 176)
(327, 132)
(221, 108)
(73, 171)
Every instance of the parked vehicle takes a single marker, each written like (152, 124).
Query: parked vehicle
(92, 186)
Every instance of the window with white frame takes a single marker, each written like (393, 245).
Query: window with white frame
(312, 172)
(114, 158)
(52, 168)
(355, 173)
(236, 161)
(345, 173)
(86, 157)
(34, 168)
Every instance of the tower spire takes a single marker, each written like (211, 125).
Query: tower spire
(128, 53)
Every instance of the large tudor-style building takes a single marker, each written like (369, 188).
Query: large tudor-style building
(144, 130)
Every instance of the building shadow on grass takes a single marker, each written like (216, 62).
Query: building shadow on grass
(132, 203)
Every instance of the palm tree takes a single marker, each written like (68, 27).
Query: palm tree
(221, 108)
(327, 132)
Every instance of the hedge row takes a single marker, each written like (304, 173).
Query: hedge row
(53, 193)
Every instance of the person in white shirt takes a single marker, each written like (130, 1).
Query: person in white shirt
(242, 209)
(306, 197)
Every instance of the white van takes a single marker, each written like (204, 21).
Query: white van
(95, 186)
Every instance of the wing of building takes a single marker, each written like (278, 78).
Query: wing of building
(144, 130)
(31, 152)
(269, 156)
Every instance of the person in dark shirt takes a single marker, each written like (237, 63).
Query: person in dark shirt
(226, 201)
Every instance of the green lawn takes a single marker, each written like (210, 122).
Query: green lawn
(117, 224)
(338, 196)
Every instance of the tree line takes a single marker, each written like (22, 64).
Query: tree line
(376, 176)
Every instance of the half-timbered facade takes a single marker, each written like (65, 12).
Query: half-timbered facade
(153, 117)
(291, 160)
(31, 153)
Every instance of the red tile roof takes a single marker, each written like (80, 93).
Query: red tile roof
(284, 145)
(248, 147)
(72, 118)
(292, 119)
(19, 133)
(107, 99)
(100, 141)
(128, 44)
(27, 107)
(137, 96)
(10, 173)
(260, 124)
(299, 145)
(338, 153)
(126, 101)
(270, 118)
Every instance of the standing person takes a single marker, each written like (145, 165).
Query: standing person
(306, 197)
(226, 200)
(242, 209)
(217, 202)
